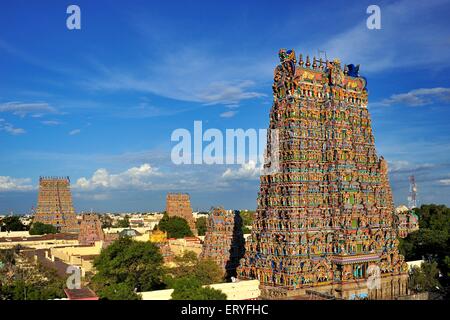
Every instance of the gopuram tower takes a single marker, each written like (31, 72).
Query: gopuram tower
(179, 205)
(90, 230)
(325, 217)
(55, 204)
(224, 240)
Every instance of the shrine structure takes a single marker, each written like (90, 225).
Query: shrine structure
(90, 230)
(224, 240)
(179, 205)
(55, 205)
(408, 221)
(325, 216)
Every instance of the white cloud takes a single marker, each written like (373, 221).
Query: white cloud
(74, 132)
(397, 166)
(186, 74)
(407, 38)
(93, 196)
(9, 128)
(23, 109)
(247, 171)
(51, 122)
(135, 177)
(15, 184)
(225, 92)
(228, 114)
(417, 97)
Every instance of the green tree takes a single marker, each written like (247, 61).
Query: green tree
(7, 256)
(247, 220)
(43, 290)
(106, 221)
(30, 282)
(136, 265)
(200, 224)
(247, 217)
(206, 271)
(118, 291)
(12, 223)
(39, 228)
(184, 264)
(190, 288)
(431, 241)
(246, 230)
(175, 227)
(123, 223)
(424, 278)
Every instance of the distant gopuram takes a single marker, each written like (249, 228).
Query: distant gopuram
(325, 216)
(408, 221)
(90, 230)
(179, 204)
(55, 204)
(224, 240)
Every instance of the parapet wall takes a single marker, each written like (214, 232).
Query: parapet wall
(242, 290)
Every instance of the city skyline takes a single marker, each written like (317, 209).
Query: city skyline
(79, 103)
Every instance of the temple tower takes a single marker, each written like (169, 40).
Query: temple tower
(55, 204)
(179, 204)
(325, 216)
(224, 240)
(90, 230)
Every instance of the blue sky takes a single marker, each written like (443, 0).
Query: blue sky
(99, 104)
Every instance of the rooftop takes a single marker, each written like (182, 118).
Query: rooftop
(81, 294)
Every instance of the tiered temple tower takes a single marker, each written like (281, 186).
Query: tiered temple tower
(179, 204)
(224, 240)
(90, 230)
(325, 216)
(55, 204)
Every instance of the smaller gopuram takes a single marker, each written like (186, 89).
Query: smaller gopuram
(179, 205)
(224, 240)
(407, 221)
(90, 230)
(55, 205)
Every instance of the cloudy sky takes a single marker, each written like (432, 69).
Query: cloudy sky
(100, 104)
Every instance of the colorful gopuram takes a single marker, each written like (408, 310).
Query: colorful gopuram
(179, 204)
(55, 205)
(325, 217)
(224, 240)
(90, 230)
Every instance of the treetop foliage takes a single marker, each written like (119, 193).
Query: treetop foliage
(12, 223)
(131, 264)
(39, 228)
(190, 288)
(176, 227)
